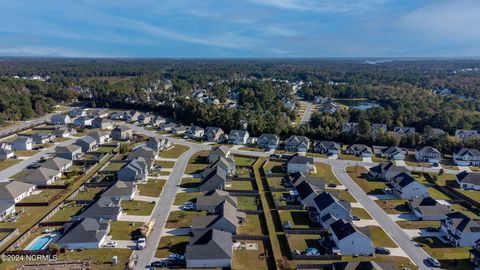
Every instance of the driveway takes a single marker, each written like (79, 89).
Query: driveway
(400, 163)
(400, 217)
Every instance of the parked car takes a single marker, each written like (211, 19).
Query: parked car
(434, 262)
(355, 218)
(312, 252)
(189, 206)
(332, 185)
(382, 250)
(159, 264)
(175, 256)
(177, 263)
(141, 243)
(111, 244)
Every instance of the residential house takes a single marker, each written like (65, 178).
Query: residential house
(216, 179)
(57, 163)
(147, 154)
(213, 198)
(158, 144)
(268, 141)
(122, 133)
(214, 134)
(6, 154)
(393, 153)
(102, 123)
(460, 230)
(359, 150)
(117, 116)
(22, 143)
(467, 157)
(428, 154)
(404, 131)
(350, 127)
(194, 132)
(136, 170)
(60, 119)
(6, 208)
(296, 143)
(15, 191)
(209, 248)
(386, 171)
(428, 209)
(349, 240)
(133, 116)
(157, 122)
(121, 190)
(306, 193)
(378, 128)
(406, 187)
(326, 203)
(77, 112)
(41, 138)
(225, 217)
(301, 164)
(83, 121)
(105, 208)
(87, 143)
(475, 254)
(63, 132)
(87, 233)
(238, 137)
(294, 179)
(179, 130)
(6, 145)
(227, 164)
(468, 180)
(464, 134)
(40, 176)
(100, 137)
(167, 126)
(98, 113)
(326, 147)
(216, 153)
(145, 118)
(72, 152)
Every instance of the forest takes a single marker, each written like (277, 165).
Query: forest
(405, 86)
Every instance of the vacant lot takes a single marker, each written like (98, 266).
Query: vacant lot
(171, 244)
(152, 188)
(182, 219)
(137, 208)
(325, 171)
(378, 236)
(358, 174)
(124, 230)
(174, 152)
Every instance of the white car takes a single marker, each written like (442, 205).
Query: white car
(111, 244)
(434, 262)
(141, 243)
(189, 206)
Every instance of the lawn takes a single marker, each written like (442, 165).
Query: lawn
(171, 244)
(197, 163)
(420, 178)
(274, 167)
(244, 161)
(250, 259)
(183, 197)
(411, 161)
(361, 213)
(174, 152)
(460, 208)
(310, 154)
(105, 149)
(437, 195)
(450, 257)
(301, 242)
(472, 194)
(182, 219)
(393, 206)
(297, 218)
(7, 163)
(325, 171)
(253, 225)
(252, 148)
(101, 258)
(418, 224)
(124, 230)
(342, 194)
(378, 236)
(164, 164)
(26, 153)
(88, 193)
(368, 185)
(152, 188)
(190, 182)
(275, 182)
(137, 208)
(443, 179)
(66, 213)
(241, 185)
(43, 196)
(247, 203)
(344, 156)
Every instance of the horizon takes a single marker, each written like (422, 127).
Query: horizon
(251, 29)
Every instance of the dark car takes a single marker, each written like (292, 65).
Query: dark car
(332, 185)
(159, 264)
(381, 250)
(355, 218)
(177, 263)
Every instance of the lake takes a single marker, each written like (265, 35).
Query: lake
(360, 104)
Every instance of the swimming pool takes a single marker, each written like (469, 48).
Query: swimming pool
(40, 243)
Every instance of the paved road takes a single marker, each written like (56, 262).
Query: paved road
(414, 252)
(45, 153)
(23, 125)
(307, 114)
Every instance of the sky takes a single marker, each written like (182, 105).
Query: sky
(240, 28)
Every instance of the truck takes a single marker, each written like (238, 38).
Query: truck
(141, 243)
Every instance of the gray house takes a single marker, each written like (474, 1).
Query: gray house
(224, 218)
(213, 198)
(296, 143)
(238, 137)
(268, 141)
(428, 154)
(468, 180)
(60, 119)
(15, 191)
(386, 171)
(6, 154)
(102, 123)
(350, 128)
(209, 248)
(464, 134)
(359, 150)
(194, 132)
(218, 152)
(349, 240)
(40, 138)
(428, 209)
(105, 208)
(87, 233)
(393, 153)
(214, 134)
(87, 144)
(40, 176)
(121, 190)
(72, 152)
(136, 170)
(326, 203)
(100, 137)
(326, 147)
(467, 157)
(301, 164)
(378, 128)
(22, 143)
(460, 230)
(216, 179)
(404, 131)
(122, 133)
(58, 163)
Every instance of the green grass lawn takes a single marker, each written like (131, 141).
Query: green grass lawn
(190, 182)
(105, 149)
(252, 226)
(43, 196)
(174, 152)
(252, 148)
(460, 208)
(171, 244)
(443, 179)
(275, 182)
(197, 163)
(297, 218)
(325, 171)
(450, 257)
(7, 163)
(310, 154)
(66, 213)
(137, 208)
(250, 259)
(418, 224)
(183, 197)
(165, 164)
(101, 258)
(420, 178)
(88, 193)
(274, 167)
(124, 230)
(247, 203)
(244, 161)
(152, 188)
(182, 219)
(378, 236)
(301, 242)
(342, 194)
(241, 185)
(368, 185)
(26, 153)
(393, 206)
(411, 161)
(361, 213)
(472, 194)
(437, 195)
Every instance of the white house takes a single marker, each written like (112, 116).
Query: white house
(327, 204)
(268, 141)
(467, 157)
(460, 230)
(428, 154)
(60, 119)
(406, 187)
(88, 233)
(300, 164)
(349, 240)
(296, 143)
(468, 180)
(238, 137)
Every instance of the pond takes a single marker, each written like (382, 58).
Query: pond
(360, 104)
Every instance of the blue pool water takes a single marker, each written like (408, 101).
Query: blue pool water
(40, 243)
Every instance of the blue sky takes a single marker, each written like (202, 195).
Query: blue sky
(240, 28)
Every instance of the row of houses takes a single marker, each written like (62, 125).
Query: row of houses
(332, 213)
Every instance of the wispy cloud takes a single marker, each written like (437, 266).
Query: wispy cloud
(322, 5)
